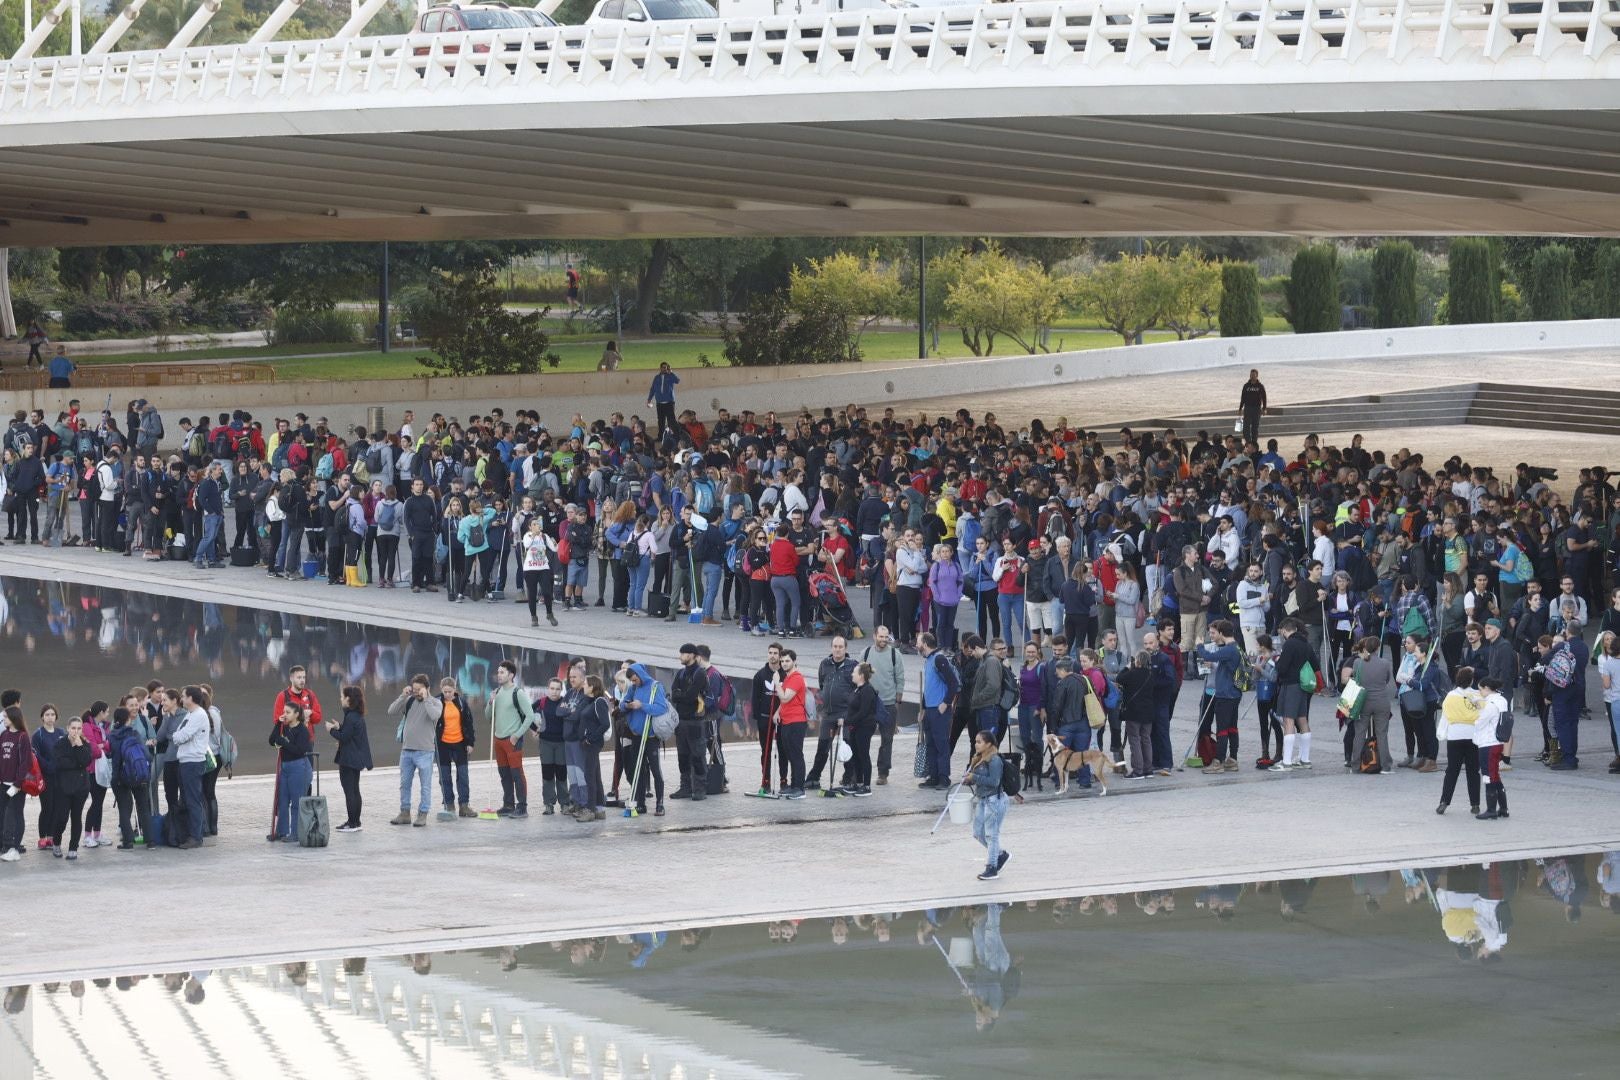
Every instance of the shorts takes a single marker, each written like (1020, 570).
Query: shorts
(1292, 702)
(577, 573)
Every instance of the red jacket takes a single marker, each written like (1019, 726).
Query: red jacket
(784, 558)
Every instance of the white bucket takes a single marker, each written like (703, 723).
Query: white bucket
(961, 804)
(961, 952)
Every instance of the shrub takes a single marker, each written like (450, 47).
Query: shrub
(1313, 290)
(770, 332)
(1394, 285)
(85, 317)
(1552, 283)
(296, 327)
(1240, 301)
(1471, 274)
(1606, 298)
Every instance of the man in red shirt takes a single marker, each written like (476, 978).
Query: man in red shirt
(792, 721)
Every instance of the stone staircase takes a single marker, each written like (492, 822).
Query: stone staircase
(1486, 404)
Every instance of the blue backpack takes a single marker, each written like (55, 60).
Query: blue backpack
(387, 514)
(1111, 698)
(134, 764)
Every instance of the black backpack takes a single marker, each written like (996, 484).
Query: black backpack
(1009, 689)
(1012, 773)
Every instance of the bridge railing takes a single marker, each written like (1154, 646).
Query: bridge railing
(1092, 33)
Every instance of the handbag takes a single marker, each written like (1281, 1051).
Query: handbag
(919, 764)
(34, 783)
(1352, 698)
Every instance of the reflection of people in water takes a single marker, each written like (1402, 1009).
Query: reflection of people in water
(1295, 896)
(642, 946)
(1372, 888)
(1608, 875)
(1220, 900)
(1565, 881)
(994, 979)
(1474, 910)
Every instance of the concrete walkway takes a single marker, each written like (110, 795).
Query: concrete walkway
(730, 858)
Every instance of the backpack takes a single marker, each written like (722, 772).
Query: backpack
(387, 515)
(1009, 689)
(1244, 677)
(475, 535)
(224, 446)
(664, 723)
(278, 460)
(1012, 774)
(630, 554)
(134, 764)
(1111, 696)
(323, 468)
(242, 442)
(194, 444)
(725, 702)
(703, 497)
(1561, 668)
(374, 460)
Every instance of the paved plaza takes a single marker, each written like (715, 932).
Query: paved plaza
(731, 858)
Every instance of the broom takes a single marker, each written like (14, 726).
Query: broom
(691, 568)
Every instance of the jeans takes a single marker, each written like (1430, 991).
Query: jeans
(638, 583)
(1566, 715)
(711, 589)
(421, 561)
(991, 720)
(578, 784)
(11, 820)
(290, 556)
(295, 776)
(191, 787)
(987, 815)
(886, 720)
(937, 730)
(1614, 719)
(1078, 737)
(1011, 607)
(945, 626)
(785, 591)
(207, 548)
(414, 764)
(1029, 726)
(1162, 754)
(454, 755)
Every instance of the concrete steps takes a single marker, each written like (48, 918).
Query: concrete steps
(1550, 408)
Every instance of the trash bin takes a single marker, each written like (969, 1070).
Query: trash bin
(374, 418)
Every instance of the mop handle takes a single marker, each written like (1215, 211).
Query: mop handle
(941, 819)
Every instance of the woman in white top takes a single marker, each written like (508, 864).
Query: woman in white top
(1608, 665)
(1460, 711)
(539, 565)
(911, 568)
(1488, 739)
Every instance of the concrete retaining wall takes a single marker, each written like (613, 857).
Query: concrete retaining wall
(789, 389)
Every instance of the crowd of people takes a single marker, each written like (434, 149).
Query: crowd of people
(1092, 581)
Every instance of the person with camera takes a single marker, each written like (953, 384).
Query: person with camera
(419, 712)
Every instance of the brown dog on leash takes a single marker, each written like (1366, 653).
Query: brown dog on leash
(1069, 761)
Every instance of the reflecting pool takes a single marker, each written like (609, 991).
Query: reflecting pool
(1508, 969)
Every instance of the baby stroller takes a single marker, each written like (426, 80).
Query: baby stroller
(833, 613)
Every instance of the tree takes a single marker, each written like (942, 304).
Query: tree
(770, 332)
(1395, 285)
(1240, 315)
(1472, 292)
(471, 332)
(1313, 290)
(1552, 283)
(1129, 295)
(1607, 279)
(1046, 251)
(856, 291)
(998, 296)
(1194, 287)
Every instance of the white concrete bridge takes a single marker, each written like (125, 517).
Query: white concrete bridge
(1089, 117)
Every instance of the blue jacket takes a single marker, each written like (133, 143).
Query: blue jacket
(208, 497)
(654, 700)
(987, 778)
(663, 388)
(1222, 682)
(940, 680)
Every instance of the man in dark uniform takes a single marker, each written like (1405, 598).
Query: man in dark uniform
(1251, 404)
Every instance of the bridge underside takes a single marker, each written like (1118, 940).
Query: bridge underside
(1390, 172)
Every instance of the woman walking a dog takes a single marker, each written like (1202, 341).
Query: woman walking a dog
(989, 802)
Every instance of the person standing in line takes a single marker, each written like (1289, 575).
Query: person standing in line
(1252, 405)
(687, 692)
(71, 778)
(861, 723)
(1222, 657)
(353, 753)
(454, 739)
(644, 699)
(1461, 708)
(1488, 742)
(191, 741)
(945, 585)
(989, 802)
(792, 721)
(889, 680)
(595, 723)
(210, 504)
(511, 715)
(16, 765)
(1293, 700)
(292, 742)
(941, 687)
(95, 733)
(132, 770)
(1566, 700)
(661, 396)
(835, 679)
(420, 713)
(46, 741)
(1376, 675)
(539, 569)
(421, 515)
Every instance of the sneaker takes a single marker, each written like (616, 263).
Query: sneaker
(467, 811)
(421, 819)
(1231, 765)
(121, 847)
(10, 855)
(812, 785)
(794, 793)
(56, 851)
(73, 855)
(1302, 765)
(1161, 772)
(552, 619)
(882, 780)
(346, 827)
(1279, 766)
(91, 841)
(1001, 860)
(503, 811)
(989, 873)
(520, 814)
(403, 818)
(446, 814)
(862, 792)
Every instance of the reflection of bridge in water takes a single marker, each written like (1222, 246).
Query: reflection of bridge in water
(390, 1021)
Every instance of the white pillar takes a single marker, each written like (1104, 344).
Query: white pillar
(8, 318)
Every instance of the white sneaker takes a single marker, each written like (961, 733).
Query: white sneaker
(10, 855)
(91, 841)
(1279, 766)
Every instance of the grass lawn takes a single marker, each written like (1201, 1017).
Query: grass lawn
(578, 352)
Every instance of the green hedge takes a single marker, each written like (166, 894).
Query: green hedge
(293, 327)
(1551, 291)
(1313, 290)
(1240, 314)
(1395, 285)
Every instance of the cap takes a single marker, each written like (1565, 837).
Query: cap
(1034, 545)
(689, 648)
(1494, 622)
